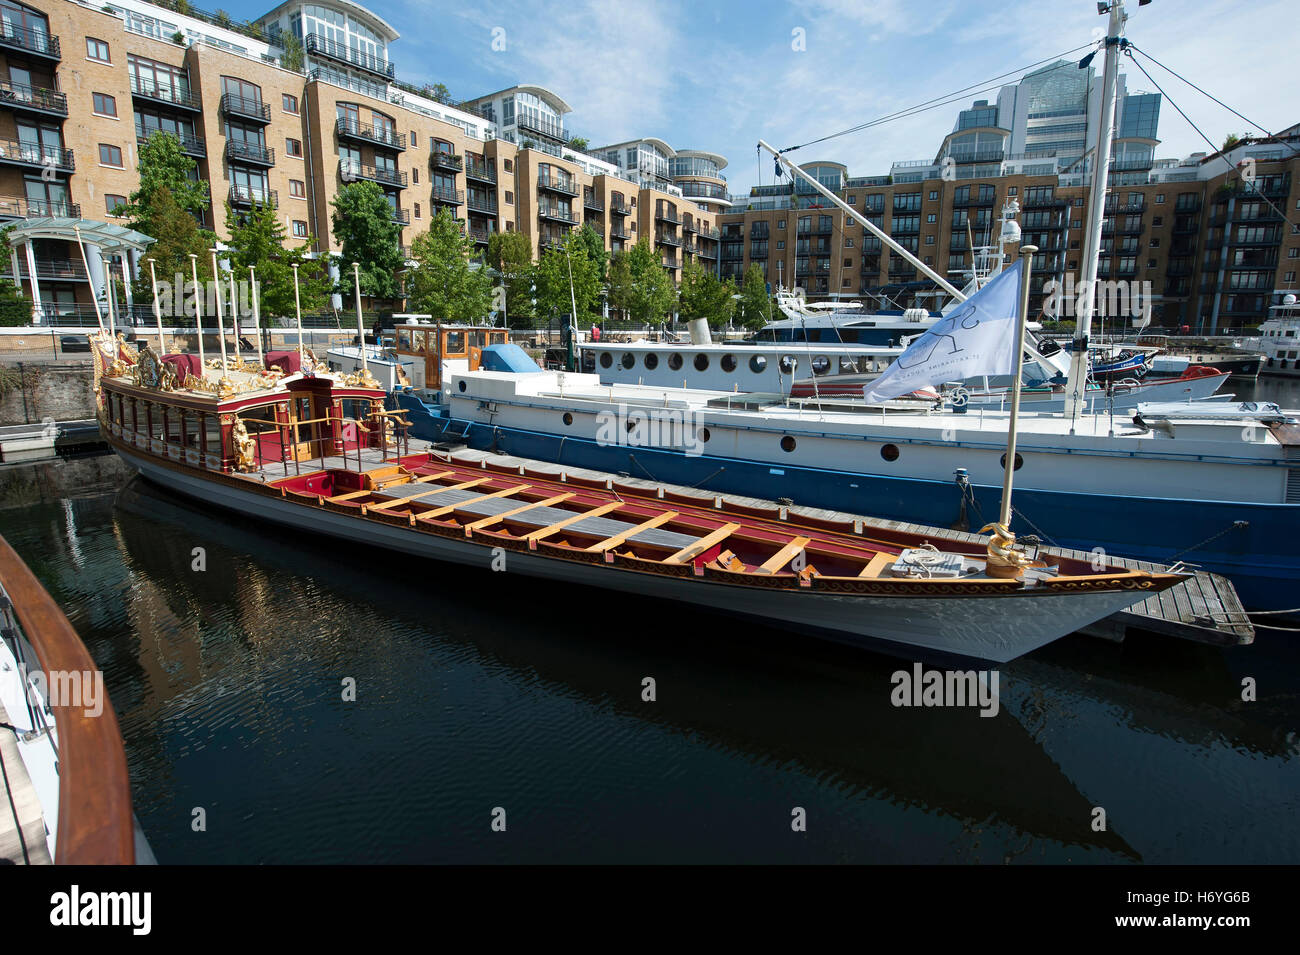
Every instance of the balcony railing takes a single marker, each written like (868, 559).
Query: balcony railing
(249, 153)
(592, 201)
(352, 171)
(451, 162)
(447, 196)
(483, 172)
(708, 251)
(667, 238)
(479, 234)
(665, 214)
(36, 42)
(190, 145)
(33, 98)
(617, 208)
(20, 207)
(319, 45)
(568, 187)
(595, 226)
(401, 216)
(376, 135)
(34, 154)
(245, 108)
(553, 239)
(57, 270)
(166, 95)
(557, 212)
(968, 201)
(250, 195)
(542, 127)
(478, 203)
(1038, 201)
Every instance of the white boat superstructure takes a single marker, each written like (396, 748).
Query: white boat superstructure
(1279, 337)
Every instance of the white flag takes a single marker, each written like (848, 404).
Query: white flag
(976, 338)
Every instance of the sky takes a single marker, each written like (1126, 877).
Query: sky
(721, 75)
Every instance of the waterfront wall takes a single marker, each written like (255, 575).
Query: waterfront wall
(31, 393)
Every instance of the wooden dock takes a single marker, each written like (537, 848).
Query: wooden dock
(1203, 609)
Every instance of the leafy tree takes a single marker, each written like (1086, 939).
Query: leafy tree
(176, 236)
(439, 93)
(755, 304)
(15, 308)
(443, 284)
(703, 296)
(294, 56)
(579, 143)
(591, 242)
(511, 254)
(164, 166)
(560, 266)
(1231, 140)
(639, 285)
(363, 223)
(257, 239)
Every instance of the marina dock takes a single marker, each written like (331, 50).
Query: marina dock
(1203, 609)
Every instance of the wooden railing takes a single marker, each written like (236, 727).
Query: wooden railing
(95, 823)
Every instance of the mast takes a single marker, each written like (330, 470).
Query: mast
(1078, 378)
(867, 224)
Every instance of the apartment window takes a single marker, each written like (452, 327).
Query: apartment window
(510, 226)
(1076, 223)
(853, 200)
(104, 105)
(509, 165)
(848, 242)
(848, 263)
(299, 229)
(1293, 253)
(297, 189)
(934, 195)
(111, 202)
(780, 244)
(97, 50)
(1288, 277)
(293, 147)
(415, 140)
(929, 240)
(417, 210)
(1157, 220)
(110, 155)
(780, 223)
(1155, 243)
(510, 196)
(289, 102)
(1151, 263)
(1160, 198)
(415, 173)
(931, 218)
(1012, 190)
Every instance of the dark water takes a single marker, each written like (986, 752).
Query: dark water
(475, 691)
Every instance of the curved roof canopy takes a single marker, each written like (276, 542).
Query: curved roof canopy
(716, 158)
(104, 236)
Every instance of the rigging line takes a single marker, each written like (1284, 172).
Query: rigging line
(1215, 98)
(1228, 162)
(931, 103)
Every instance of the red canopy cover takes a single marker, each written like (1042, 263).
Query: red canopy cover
(184, 366)
(288, 362)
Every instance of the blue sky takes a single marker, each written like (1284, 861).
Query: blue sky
(720, 75)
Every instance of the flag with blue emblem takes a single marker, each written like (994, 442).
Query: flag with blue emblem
(975, 338)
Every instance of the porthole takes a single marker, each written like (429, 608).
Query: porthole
(1019, 462)
(728, 363)
(606, 359)
(820, 364)
(461, 384)
(651, 361)
(675, 361)
(788, 364)
(704, 434)
(628, 359)
(889, 452)
(568, 418)
(757, 363)
(787, 443)
(701, 361)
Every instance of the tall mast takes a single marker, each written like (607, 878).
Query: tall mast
(1078, 379)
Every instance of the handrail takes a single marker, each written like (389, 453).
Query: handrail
(95, 823)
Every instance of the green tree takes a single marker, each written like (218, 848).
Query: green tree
(439, 93)
(294, 56)
(579, 143)
(364, 226)
(176, 235)
(257, 239)
(164, 166)
(591, 242)
(511, 255)
(755, 304)
(703, 296)
(1231, 140)
(639, 286)
(443, 284)
(561, 267)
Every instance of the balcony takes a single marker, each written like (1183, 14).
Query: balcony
(617, 208)
(671, 262)
(354, 171)
(35, 156)
(375, 135)
(560, 184)
(401, 216)
(1188, 204)
(542, 127)
(975, 201)
(33, 99)
(447, 196)
(250, 154)
(667, 238)
(482, 172)
(53, 270)
(1177, 268)
(592, 201)
(1119, 164)
(165, 96)
(664, 214)
(1126, 208)
(321, 46)
(241, 107)
(447, 162)
(707, 252)
(977, 155)
(1033, 201)
(190, 145)
(553, 239)
(616, 231)
(595, 226)
(249, 196)
(1108, 228)
(481, 203)
(20, 207)
(28, 41)
(704, 232)
(479, 234)
(1190, 224)
(556, 213)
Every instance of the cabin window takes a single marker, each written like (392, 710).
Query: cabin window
(651, 361)
(787, 444)
(192, 439)
(628, 359)
(704, 434)
(701, 361)
(728, 363)
(788, 364)
(675, 361)
(1019, 461)
(157, 417)
(568, 418)
(757, 363)
(889, 452)
(403, 341)
(212, 434)
(606, 359)
(175, 426)
(455, 343)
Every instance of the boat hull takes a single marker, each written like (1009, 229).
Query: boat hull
(984, 628)
(1206, 534)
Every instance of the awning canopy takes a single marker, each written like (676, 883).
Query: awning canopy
(104, 236)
